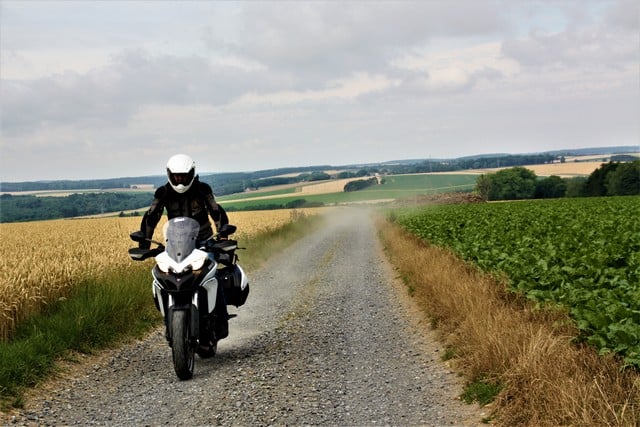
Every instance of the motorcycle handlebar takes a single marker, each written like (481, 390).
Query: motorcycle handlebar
(140, 254)
(139, 236)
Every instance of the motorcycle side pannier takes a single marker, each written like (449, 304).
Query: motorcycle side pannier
(231, 281)
(225, 251)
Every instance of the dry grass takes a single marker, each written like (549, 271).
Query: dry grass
(547, 380)
(42, 261)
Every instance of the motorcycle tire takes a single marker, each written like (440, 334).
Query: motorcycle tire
(183, 351)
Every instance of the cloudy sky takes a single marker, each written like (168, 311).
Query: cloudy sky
(95, 89)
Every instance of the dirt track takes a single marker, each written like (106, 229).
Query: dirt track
(326, 338)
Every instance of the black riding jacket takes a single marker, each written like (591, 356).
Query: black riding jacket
(198, 203)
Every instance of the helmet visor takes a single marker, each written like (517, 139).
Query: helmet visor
(181, 178)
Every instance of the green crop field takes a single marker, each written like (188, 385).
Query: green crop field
(583, 254)
(394, 187)
(238, 196)
(429, 182)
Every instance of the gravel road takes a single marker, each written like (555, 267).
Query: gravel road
(326, 338)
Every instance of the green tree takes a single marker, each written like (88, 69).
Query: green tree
(345, 174)
(551, 187)
(512, 184)
(359, 184)
(576, 186)
(624, 180)
(483, 186)
(596, 183)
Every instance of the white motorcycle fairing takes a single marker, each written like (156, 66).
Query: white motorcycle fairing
(182, 257)
(195, 260)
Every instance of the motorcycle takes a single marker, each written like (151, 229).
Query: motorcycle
(186, 282)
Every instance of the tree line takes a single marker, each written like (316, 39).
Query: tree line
(610, 179)
(223, 183)
(513, 183)
(32, 208)
(237, 182)
(360, 184)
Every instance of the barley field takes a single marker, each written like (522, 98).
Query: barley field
(332, 186)
(40, 262)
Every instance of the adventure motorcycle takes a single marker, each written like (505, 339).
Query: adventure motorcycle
(186, 282)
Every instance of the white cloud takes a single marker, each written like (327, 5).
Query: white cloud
(340, 89)
(32, 64)
(624, 15)
(266, 84)
(589, 47)
(458, 68)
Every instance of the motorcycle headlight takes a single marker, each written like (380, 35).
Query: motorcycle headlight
(194, 261)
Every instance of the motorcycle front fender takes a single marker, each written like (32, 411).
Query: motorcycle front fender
(194, 319)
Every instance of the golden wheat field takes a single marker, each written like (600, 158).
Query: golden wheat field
(41, 261)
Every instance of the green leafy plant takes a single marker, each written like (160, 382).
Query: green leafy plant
(481, 392)
(583, 254)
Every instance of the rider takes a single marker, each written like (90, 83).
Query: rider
(185, 195)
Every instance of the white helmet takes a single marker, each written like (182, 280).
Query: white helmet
(181, 171)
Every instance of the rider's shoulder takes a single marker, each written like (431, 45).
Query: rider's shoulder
(161, 192)
(204, 188)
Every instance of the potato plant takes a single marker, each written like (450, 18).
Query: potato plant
(583, 254)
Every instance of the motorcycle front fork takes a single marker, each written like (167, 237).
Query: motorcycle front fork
(194, 322)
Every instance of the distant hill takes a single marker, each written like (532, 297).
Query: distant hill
(235, 182)
(597, 151)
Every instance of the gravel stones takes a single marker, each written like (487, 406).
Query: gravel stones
(324, 339)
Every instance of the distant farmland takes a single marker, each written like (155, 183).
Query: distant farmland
(394, 187)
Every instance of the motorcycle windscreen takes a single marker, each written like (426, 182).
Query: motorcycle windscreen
(180, 234)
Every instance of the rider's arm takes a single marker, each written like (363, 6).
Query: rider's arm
(223, 218)
(216, 211)
(152, 216)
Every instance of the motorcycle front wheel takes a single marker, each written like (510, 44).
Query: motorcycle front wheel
(183, 351)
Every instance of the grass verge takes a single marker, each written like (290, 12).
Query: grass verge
(97, 313)
(262, 246)
(537, 375)
(103, 312)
